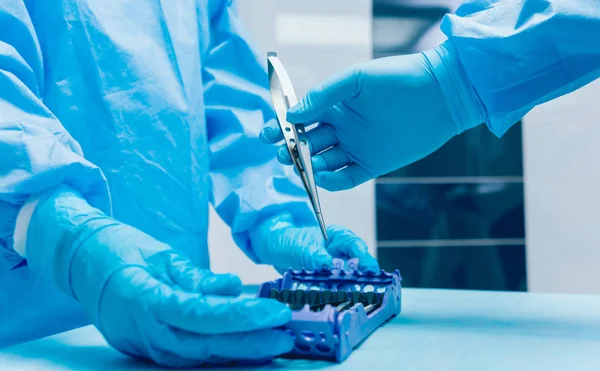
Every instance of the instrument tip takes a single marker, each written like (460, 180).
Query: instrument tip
(323, 227)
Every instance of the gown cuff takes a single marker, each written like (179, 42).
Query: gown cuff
(22, 224)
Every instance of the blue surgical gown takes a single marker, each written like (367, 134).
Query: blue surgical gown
(152, 110)
(521, 53)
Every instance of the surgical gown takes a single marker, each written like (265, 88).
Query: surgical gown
(152, 110)
(521, 53)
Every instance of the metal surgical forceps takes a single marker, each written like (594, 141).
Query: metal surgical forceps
(284, 97)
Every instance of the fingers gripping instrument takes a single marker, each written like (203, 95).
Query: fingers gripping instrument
(284, 97)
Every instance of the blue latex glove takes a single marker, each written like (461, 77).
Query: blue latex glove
(279, 242)
(146, 299)
(382, 115)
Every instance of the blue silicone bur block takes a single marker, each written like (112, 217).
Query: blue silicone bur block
(335, 309)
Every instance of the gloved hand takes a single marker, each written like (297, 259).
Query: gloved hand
(384, 114)
(279, 242)
(146, 299)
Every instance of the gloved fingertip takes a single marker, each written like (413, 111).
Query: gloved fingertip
(277, 312)
(302, 112)
(321, 261)
(295, 109)
(369, 264)
(326, 263)
(281, 153)
(279, 343)
(230, 279)
(322, 180)
(265, 134)
(328, 182)
(283, 156)
(284, 341)
(223, 284)
(372, 268)
(326, 267)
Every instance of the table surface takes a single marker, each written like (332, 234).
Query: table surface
(437, 330)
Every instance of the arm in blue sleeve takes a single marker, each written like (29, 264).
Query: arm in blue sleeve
(249, 185)
(36, 153)
(521, 53)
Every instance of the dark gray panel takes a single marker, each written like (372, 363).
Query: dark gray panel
(449, 211)
(476, 152)
(450, 267)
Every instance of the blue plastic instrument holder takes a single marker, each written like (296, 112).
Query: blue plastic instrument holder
(335, 309)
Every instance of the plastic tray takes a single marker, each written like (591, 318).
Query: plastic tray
(335, 309)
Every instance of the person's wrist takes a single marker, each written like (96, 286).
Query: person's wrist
(266, 231)
(61, 222)
(101, 254)
(466, 109)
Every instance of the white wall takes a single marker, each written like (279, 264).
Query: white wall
(314, 39)
(561, 143)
